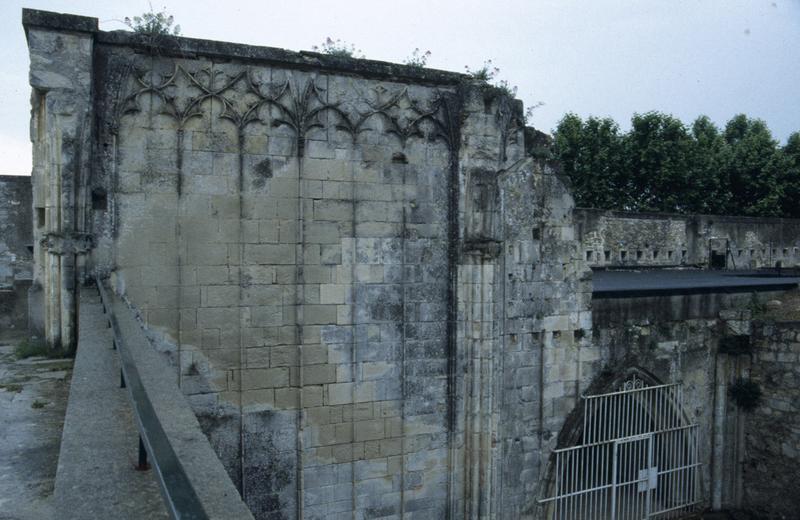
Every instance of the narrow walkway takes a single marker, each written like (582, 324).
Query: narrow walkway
(96, 475)
(33, 398)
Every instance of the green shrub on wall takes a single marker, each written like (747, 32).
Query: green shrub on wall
(746, 393)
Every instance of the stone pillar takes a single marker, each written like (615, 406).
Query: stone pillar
(490, 140)
(60, 48)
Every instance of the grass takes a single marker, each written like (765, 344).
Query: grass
(37, 404)
(28, 348)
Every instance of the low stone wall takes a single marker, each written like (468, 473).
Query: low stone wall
(620, 239)
(15, 259)
(772, 433)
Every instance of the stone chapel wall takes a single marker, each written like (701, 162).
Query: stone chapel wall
(374, 302)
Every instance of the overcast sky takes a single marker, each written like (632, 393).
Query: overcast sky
(592, 57)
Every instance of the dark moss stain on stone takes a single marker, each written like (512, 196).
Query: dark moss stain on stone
(261, 172)
(270, 464)
(222, 431)
(399, 158)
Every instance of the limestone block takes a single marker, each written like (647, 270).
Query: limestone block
(340, 393)
(337, 210)
(319, 314)
(218, 317)
(253, 378)
(259, 295)
(286, 398)
(319, 374)
(270, 254)
(322, 233)
(220, 296)
(266, 315)
(312, 396)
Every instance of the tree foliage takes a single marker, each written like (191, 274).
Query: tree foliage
(790, 200)
(663, 165)
(591, 154)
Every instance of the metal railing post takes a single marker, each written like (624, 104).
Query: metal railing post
(142, 465)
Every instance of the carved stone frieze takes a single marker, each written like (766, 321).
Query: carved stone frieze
(298, 105)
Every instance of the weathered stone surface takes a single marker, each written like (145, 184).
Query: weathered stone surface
(16, 235)
(622, 239)
(376, 305)
(61, 78)
(771, 479)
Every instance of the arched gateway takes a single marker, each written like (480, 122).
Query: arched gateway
(637, 458)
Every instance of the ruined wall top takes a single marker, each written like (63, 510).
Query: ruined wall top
(58, 21)
(183, 47)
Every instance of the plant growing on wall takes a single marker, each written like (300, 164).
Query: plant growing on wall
(746, 393)
(488, 72)
(338, 48)
(418, 59)
(154, 24)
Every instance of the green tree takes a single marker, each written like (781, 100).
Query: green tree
(790, 180)
(659, 150)
(661, 165)
(708, 185)
(591, 156)
(754, 169)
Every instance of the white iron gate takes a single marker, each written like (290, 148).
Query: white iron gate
(638, 459)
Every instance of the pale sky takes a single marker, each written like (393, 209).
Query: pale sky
(592, 57)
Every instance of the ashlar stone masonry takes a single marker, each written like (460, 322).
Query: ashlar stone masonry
(376, 302)
(372, 298)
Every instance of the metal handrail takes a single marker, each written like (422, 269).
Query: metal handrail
(180, 497)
